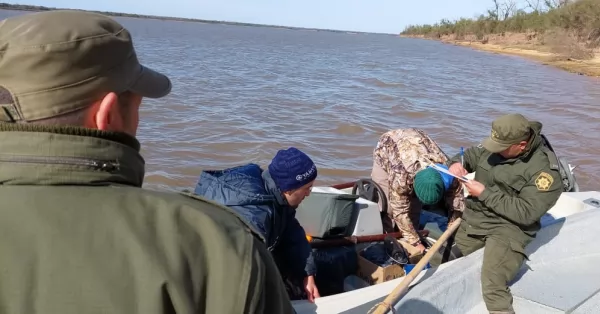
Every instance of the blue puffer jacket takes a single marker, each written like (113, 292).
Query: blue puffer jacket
(252, 193)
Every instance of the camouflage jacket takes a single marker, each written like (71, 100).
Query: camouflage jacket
(402, 153)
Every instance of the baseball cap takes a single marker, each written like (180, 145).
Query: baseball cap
(55, 62)
(507, 130)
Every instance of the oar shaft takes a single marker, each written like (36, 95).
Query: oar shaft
(396, 294)
(351, 240)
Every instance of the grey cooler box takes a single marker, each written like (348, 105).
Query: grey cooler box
(327, 215)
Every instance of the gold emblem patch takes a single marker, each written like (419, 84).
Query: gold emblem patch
(544, 181)
(494, 134)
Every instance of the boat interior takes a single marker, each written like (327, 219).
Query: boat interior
(344, 261)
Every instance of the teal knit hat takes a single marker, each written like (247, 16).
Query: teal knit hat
(429, 186)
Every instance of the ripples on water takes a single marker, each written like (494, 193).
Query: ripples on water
(242, 93)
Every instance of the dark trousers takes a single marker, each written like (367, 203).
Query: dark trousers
(293, 285)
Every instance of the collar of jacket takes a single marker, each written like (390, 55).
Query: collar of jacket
(272, 189)
(66, 155)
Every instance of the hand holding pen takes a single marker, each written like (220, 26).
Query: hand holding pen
(459, 169)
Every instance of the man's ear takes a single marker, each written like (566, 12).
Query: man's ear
(523, 144)
(104, 117)
(290, 192)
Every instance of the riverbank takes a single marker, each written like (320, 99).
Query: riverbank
(559, 33)
(526, 46)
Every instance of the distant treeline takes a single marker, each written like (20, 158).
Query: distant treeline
(24, 7)
(578, 17)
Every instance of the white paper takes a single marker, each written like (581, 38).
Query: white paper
(438, 168)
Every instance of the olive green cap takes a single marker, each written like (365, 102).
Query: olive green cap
(55, 62)
(507, 130)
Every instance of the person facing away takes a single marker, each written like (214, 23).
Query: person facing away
(78, 233)
(516, 182)
(268, 200)
(400, 166)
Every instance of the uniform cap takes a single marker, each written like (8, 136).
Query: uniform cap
(507, 130)
(55, 62)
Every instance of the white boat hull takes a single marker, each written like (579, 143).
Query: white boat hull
(444, 292)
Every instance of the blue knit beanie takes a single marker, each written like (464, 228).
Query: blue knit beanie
(291, 169)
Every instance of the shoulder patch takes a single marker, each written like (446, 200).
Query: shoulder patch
(552, 159)
(544, 181)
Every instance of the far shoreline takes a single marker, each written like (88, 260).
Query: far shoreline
(589, 68)
(531, 51)
(35, 8)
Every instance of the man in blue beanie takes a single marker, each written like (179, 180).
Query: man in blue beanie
(268, 200)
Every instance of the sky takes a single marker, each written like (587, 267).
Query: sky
(380, 16)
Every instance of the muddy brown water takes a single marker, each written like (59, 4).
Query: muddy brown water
(241, 93)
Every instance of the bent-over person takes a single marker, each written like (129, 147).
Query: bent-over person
(400, 167)
(268, 199)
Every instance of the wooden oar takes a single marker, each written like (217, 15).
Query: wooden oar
(396, 294)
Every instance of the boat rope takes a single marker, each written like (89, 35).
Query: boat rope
(386, 305)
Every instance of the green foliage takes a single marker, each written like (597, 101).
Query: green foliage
(580, 17)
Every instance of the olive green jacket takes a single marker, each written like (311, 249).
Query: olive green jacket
(78, 235)
(518, 192)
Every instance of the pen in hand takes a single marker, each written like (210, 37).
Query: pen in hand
(462, 158)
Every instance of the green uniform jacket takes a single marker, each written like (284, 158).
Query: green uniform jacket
(79, 236)
(518, 192)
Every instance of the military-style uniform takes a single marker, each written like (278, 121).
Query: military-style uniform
(78, 233)
(398, 156)
(506, 216)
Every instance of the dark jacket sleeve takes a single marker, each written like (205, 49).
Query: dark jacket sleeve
(471, 157)
(297, 250)
(534, 200)
(268, 290)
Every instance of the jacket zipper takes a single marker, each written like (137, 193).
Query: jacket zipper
(102, 165)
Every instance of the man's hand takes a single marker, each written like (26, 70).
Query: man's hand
(457, 169)
(420, 247)
(311, 289)
(475, 188)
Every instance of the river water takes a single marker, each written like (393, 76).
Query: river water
(241, 93)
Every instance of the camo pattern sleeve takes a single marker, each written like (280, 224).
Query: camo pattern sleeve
(401, 153)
